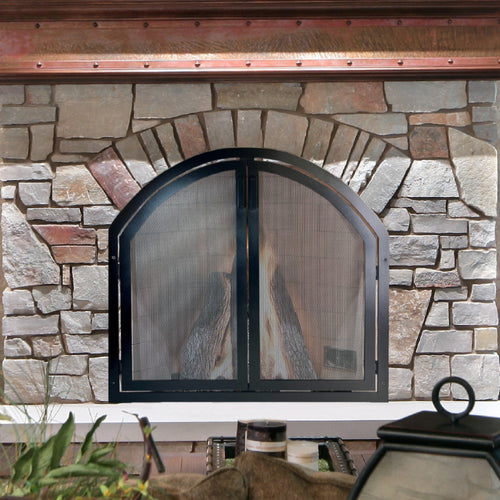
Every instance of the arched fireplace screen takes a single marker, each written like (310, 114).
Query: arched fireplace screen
(245, 275)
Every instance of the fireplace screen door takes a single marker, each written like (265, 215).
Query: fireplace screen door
(247, 274)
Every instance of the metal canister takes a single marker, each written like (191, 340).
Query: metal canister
(266, 436)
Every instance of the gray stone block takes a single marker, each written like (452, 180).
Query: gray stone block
(220, 129)
(25, 380)
(397, 220)
(96, 344)
(477, 264)
(429, 179)
(42, 141)
(34, 193)
(484, 114)
(135, 158)
(477, 179)
(255, 95)
(285, 132)
(422, 206)
(410, 250)
(428, 371)
(98, 375)
(342, 143)
(439, 315)
(86, 295)
(93, 111)
(14, 143)
(400, 384)
(75, 364)
(445, 341)
(426, 95)
(16, 326)
(438, 224)
(482, 91)
(76, 322)
(426, 278)
(483, 292)
(475, 314)
(318, 140)
(99, 215)
(400, 277)
(481, 371)
(249, 129)
(18, 302)
(26, 115)
(386, 180)
(54, 214)
(51, 299)
(16, 348)
(170, 100)
(70, 388)
(376, 123)
(453, 242)
(48, 346)
(11, 94)
(450, 294)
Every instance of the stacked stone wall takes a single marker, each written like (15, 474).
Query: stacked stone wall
(420, 154)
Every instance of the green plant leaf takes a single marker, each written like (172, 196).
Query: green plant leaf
(23, 466)
(87, 442)
(100, 453)
(78, 470)
(62, 440)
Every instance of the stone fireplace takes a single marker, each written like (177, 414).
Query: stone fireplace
(420, 154)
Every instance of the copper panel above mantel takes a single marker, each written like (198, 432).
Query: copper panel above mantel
(246, 47)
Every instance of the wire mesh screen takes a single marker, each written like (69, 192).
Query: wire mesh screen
(312, 286)
(182, 276)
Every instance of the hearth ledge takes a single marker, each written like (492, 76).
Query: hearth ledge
(198, 421)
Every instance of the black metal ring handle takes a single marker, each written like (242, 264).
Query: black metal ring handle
(454, 417)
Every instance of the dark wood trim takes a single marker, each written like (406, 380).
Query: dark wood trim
(33, 10)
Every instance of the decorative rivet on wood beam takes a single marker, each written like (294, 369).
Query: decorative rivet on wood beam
(400, 22)
(450, 21)
(197, 64)
(299, 23)
(146, 65)
(146, 24)
(249, 23)
(299, 63)
(450, 61)
(95, 24)
(37, 25)
(38, 64)
(96, 64)
(348, 23)
(349, 63)
(248, 63)
(400, 62)
(197, 23)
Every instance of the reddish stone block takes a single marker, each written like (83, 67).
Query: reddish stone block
(429, 142)
(74, 254)
(190, 136)
(66, 234)
(114, 178)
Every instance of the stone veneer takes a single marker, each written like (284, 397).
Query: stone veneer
(420, 154)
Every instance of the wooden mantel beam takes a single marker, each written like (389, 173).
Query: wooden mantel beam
(45, 10)
(97, 40)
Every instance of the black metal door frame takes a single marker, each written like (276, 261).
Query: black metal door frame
(247, 163)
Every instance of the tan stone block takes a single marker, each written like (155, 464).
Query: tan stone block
(66, 234)
(343, 97)
(486, 339)
(452, 119)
